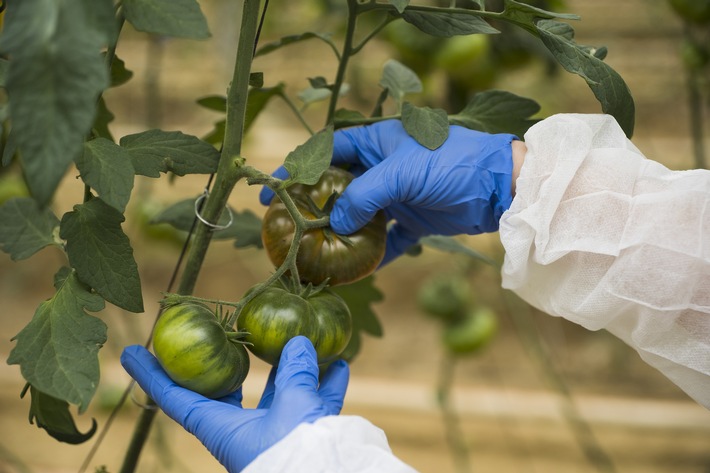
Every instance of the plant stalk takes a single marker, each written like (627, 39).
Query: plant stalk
(227, 176)
(452, 427)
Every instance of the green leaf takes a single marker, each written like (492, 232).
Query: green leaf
(607, 85)
(52, 415)
(360, 296)
(101, 253)
(497, 111)
(399, 80)
(246, 230)
(216, 136)
(257, 100)
(399, 5)
(58, 350)
(107, 168)
(245, 227)
(156, 151)
(451, 245)
(296, 38)
(54, 79)
(308, 161)
(4, 66)
(217, 103)
(525, 15)
(181, 215)
(119, 74)
(179, 18)
(26, 228)
(447, 24)
(102, 120)
(430, 127)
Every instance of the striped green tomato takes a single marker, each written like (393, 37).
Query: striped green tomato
(197, 353)
(277, 315)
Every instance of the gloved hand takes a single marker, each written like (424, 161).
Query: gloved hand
(234, 435)
(463, 187)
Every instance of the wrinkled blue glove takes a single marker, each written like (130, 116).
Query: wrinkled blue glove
(463, 187)
(234, 435)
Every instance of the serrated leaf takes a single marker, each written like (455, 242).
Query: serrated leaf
(429, 126)
(107, 168)
(216, 136)
(308, 161)
(451, 245)
(26, 228)
(447, 24)
(607, 85)
(101, 253)
(246, 230)
(52, 415)
(497, 111)
(156, 151)
(296, 38)
(360, 296)
(179, 18)
(54, 79)
(399, 80)
(58, 350)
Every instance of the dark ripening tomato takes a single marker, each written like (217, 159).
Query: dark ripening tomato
(472, 333)
(324, 254)
(277, 315)
(197, 353)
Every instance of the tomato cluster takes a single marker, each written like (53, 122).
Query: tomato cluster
(466, 326)
(197, 353)
(323, 254)
(278, 314)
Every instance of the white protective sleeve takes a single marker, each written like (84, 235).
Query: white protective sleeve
(608, 239)
(597, 234)
(333, 444)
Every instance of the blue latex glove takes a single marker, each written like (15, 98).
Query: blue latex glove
(463, 187)
(234, 435)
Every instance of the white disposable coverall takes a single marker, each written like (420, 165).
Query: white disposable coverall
(597, 234)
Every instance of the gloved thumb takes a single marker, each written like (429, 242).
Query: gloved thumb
(361, 200)
(298, 366)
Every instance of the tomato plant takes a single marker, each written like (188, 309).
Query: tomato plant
(196, 352)
(278, 314)
(63, 122)
(323, 254)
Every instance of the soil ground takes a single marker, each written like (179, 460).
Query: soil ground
(510, 410)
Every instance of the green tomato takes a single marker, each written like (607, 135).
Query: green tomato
(694, 11)
(197, 353)
(323, 254)
(276, 315)
(446, 297)
(12, 186)
(467, 60)
(472, 333)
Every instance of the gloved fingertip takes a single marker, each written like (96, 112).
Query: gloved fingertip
(341, 220)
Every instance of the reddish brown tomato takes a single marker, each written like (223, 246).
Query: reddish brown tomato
(322, 253)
